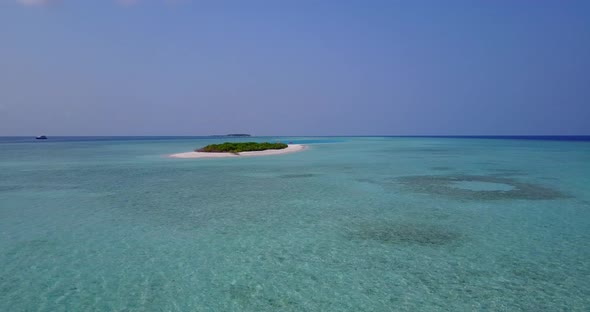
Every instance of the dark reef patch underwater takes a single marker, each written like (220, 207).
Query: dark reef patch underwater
(297, 175)
(446, 185)
(405, 233)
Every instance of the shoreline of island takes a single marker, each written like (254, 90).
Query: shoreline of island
(291, 148)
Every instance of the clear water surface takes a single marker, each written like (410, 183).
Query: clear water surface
(351, 224)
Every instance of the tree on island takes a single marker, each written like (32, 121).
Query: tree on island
(233, 147)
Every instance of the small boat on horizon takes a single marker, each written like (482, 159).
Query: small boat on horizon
(41, 137)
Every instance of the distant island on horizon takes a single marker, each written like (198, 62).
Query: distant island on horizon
(232, 135)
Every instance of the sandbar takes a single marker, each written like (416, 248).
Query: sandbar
(291, 148)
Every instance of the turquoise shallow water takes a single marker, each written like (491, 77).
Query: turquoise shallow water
(352, 224)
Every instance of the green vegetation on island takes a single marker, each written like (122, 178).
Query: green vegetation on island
(233, 147)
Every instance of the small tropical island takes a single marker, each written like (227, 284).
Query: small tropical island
(237, 149)
(232, 147)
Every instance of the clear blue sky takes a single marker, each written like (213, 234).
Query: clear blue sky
(182, 67)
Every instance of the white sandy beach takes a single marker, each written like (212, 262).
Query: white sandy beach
(291, 148)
